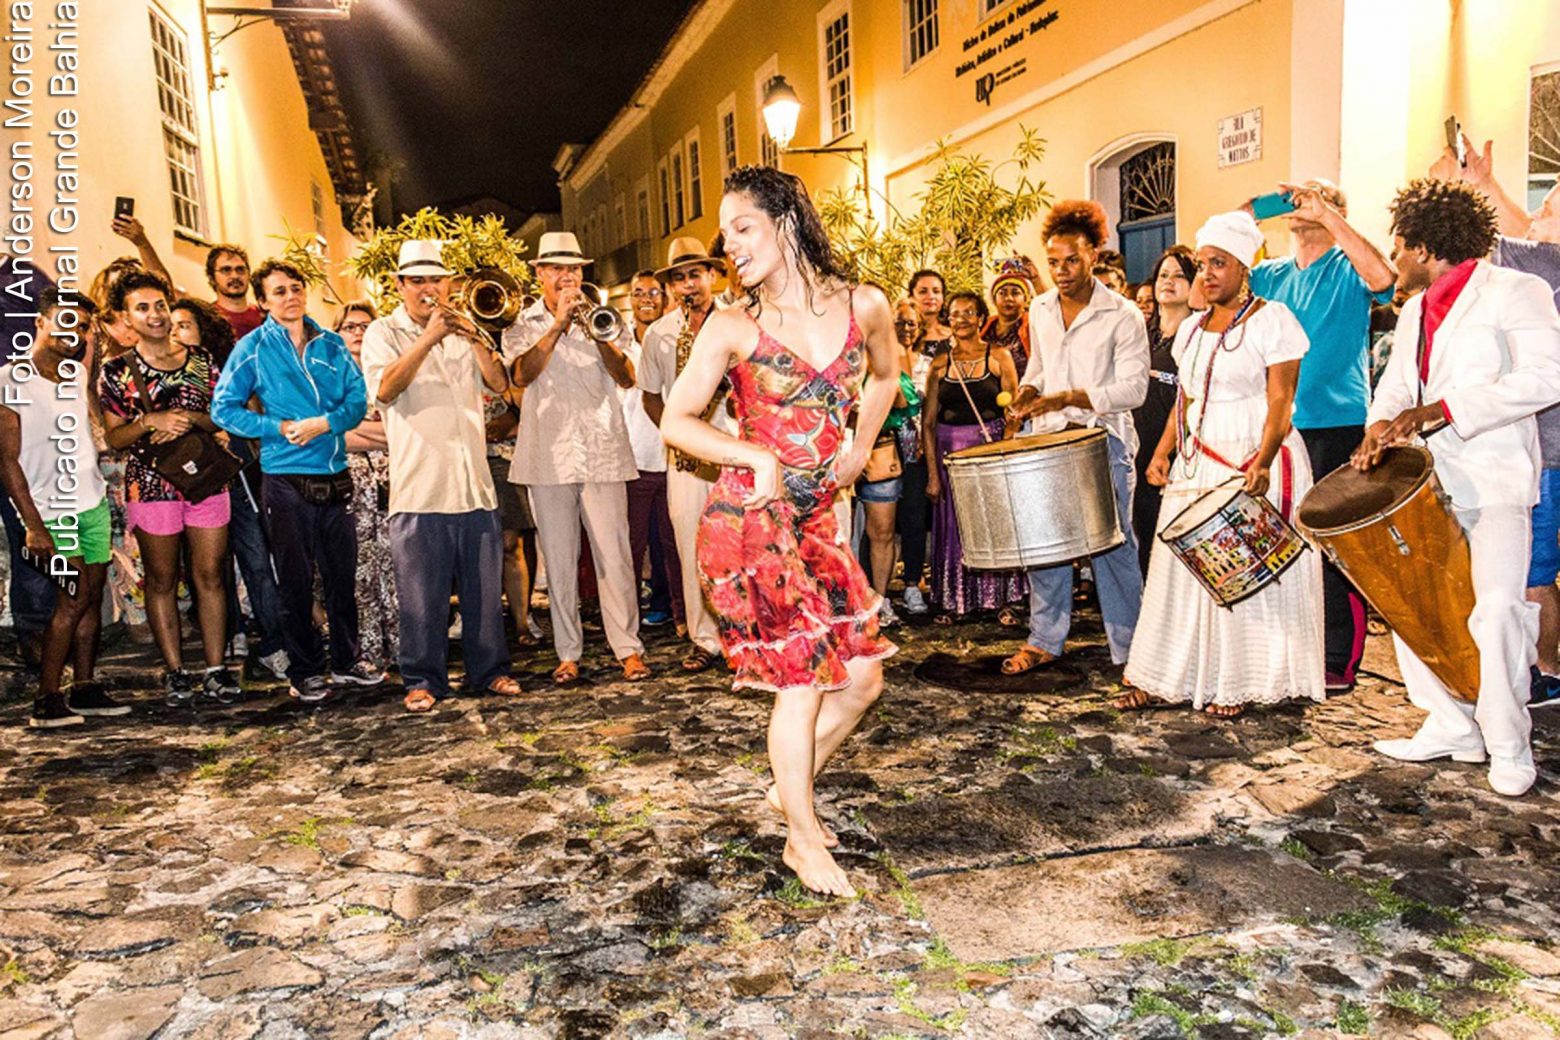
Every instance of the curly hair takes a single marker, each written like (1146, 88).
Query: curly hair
(129, 282)
(1080, 217)
(216, 334)
(781, 196)
(219, 250)
(1450, 219)
(270, 267)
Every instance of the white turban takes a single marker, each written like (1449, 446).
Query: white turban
(1235, 232)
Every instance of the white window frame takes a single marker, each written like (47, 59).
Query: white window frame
(828, 129)
(642, 209)
(663, 174)
(987, 8)
(914, 33)
(727, 109)
(693, 162)
(679, 170)
(620, 215)
(768, 151)
(181, 128)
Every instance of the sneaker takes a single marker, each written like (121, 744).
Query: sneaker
(178, 688)
(276, 663)
(221, 686)
(89, 698)
(1339, 682)
(886, 616)
(238, 649)
(914, 600)
(656, 618)
(312, 690)
(364, 673)
(52, 712)
(1545, 692)
(1512, 777)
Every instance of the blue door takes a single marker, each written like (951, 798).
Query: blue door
(1142, 242)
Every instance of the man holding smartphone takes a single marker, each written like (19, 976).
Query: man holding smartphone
(1330, 281)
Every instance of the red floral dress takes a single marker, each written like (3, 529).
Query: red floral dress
(792, 603)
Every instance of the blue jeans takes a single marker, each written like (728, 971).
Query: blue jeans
(433, 552)
(246, 540)
(31, 594)
(1117, 577)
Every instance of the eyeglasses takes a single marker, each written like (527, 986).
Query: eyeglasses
(647, 294)
(906, 323)
(355, 326)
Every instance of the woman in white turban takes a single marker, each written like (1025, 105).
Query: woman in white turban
(1239, 362)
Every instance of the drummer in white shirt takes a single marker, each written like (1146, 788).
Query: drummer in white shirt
(1088, 366)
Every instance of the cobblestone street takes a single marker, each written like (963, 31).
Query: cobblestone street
(600, 863)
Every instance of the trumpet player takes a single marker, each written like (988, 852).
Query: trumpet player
(572, 451)
(425, 367)
(689, 277)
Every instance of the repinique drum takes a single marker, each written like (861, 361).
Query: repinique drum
(1233, 542)
(1034, 501)
(1391, 532)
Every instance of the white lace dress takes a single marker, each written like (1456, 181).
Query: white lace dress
(1269, 647)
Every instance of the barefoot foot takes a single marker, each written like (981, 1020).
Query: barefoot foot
(772, 796)
(816, 870)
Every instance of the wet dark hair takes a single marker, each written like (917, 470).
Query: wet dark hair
(270, 267)
(981, 310)
(216, 335)
(51, 298)
(783, 197)
(218, 250)
(1451, 219)
(130, 282)
(1186, 260)
(1082, 217)
(644, 272)
(926, 272)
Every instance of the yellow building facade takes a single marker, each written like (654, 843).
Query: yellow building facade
(216, 142)
(1165, 111)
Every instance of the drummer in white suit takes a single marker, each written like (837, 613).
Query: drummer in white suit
(1239, 363)
(1488, 358)
(1088, 366)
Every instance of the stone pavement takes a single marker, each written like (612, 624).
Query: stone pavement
(600, 863)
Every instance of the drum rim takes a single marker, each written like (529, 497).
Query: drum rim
(1091, 434)
(1234, 485)
(1381, 514)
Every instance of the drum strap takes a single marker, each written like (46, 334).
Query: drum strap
(1286, 473)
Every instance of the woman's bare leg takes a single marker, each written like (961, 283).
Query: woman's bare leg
(208, 553)
(880, 540)
(792, 733)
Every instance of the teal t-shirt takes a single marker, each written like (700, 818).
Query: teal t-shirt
(1332, 303)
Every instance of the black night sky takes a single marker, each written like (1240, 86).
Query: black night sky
(474, 97)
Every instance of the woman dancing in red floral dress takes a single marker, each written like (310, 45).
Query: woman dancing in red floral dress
(797, 616)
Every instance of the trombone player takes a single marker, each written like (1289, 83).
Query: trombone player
(425, 366)
(572, 451)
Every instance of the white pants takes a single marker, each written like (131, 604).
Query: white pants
(686, 494)
(559, 510)
(1505, 629)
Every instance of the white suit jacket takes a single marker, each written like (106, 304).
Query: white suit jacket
(1494, 361)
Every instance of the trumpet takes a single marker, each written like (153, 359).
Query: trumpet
(490, 295)
(462, 324)
(600, 321)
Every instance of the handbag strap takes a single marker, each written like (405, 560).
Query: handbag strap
(137, 379)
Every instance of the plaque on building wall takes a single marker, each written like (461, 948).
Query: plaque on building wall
(1240, 138)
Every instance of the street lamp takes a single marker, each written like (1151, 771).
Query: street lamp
(782, 108)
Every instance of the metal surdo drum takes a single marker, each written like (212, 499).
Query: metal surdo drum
(1233, 542)
(1034, 501)
(1392, 534)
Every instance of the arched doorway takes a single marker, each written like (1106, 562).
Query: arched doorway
(1135, 182)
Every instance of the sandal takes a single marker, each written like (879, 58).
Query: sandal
(634, 668)
(1008, 617)
(1027, 659)
(944, 620)
(419, 701)
(1133, 699)
(1225, 712)
(504, 686)
(698, 660)
(527, 640)
(566, 674)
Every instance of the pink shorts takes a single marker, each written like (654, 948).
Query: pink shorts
(173, 517)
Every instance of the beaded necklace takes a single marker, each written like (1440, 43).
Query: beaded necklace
(1191, 453)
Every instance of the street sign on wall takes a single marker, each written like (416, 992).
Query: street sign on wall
(1240, 138)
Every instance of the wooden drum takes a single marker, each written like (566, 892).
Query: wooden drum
(1391, 532)
(1034, 501)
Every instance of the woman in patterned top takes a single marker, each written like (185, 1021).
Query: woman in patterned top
(152, 395)
(797, 616)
